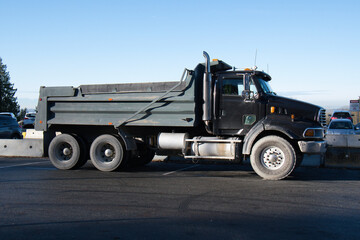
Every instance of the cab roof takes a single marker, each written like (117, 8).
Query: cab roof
(218, 66)
(221, 66)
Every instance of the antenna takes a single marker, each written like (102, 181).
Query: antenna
(255, 57)
(255, 67)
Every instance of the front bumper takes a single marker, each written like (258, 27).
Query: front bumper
(312, 147)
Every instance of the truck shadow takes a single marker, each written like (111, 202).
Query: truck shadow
(324, 174)
(226, 169)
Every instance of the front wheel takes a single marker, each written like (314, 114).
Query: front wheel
(273, 158)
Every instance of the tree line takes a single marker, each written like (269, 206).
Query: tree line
(8, 101)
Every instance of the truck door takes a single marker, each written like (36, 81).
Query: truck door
(238, 105)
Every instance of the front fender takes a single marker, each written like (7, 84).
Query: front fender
(281, 124)
(250, 137)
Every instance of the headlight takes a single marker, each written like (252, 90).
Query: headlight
(314, 133)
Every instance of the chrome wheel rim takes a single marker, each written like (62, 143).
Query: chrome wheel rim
(272, 158)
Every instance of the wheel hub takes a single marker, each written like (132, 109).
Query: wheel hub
(109, 152)
(66, 151)
(273, 158)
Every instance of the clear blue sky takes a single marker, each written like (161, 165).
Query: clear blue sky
(311, 48)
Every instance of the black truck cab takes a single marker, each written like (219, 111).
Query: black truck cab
(240, 101)
(244, 99)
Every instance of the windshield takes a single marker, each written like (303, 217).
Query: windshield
(265, 86)
(341, 125)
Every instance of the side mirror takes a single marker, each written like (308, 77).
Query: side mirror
(247, 95)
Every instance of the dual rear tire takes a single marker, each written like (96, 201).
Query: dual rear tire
(67, 152)
(107, 153)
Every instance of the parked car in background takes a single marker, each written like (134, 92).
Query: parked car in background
(29, 120)
(8, 114)
(357, 128)
(9, 128)
(341, 126)
(341, 114)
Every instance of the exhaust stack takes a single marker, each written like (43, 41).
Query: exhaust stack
(207, 90)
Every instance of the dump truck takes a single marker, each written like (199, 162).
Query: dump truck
(214, 112)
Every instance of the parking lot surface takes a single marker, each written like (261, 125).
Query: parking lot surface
(175, 201)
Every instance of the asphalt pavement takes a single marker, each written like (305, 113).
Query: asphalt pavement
(167, 200)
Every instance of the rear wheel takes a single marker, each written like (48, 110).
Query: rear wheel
(65, 152)
(84, 152)
(143, 156)
(107, 153)
(273, 158)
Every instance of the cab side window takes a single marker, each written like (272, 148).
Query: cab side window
(233, 86)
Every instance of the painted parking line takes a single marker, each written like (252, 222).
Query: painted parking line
(179, 170)
(19, 165)
(42, 168)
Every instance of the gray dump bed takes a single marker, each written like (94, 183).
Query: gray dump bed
(134, 104)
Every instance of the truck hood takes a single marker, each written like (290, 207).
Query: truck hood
(302, 110)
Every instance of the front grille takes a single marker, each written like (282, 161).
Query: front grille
(322, 117)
